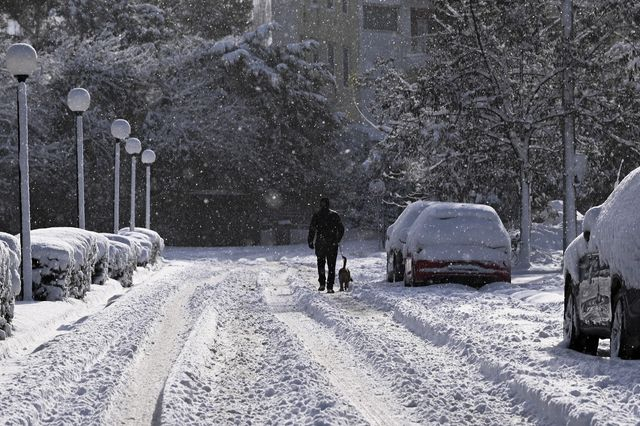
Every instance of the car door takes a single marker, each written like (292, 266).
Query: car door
(594, 294)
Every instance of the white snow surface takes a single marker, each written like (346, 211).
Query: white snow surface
(241, 336)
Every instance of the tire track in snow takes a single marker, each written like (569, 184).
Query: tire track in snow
(353, 379)
(141, 401)
(433, 379)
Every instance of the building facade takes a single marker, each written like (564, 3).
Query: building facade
(353, 35)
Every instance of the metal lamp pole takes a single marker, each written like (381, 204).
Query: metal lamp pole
(120, 129)
(21, 61)
(148, 158)
(133, 148)
(78, 101)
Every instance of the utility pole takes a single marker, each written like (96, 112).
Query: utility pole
(569, 227)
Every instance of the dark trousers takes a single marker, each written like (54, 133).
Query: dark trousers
(327, 255)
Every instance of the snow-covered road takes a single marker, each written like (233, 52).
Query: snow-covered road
(241, 336)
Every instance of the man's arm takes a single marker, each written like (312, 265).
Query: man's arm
(339, 228)
(313, 227)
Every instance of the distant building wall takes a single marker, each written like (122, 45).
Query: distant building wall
(353, 35)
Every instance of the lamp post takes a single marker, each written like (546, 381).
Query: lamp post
(78, 101)
(133, 148)
(148, 158)
(120, 129)
(21, 61)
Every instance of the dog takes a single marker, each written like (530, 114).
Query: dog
(344, 276)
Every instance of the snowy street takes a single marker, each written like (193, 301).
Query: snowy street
(241, 336)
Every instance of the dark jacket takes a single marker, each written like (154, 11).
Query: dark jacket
(326, 228)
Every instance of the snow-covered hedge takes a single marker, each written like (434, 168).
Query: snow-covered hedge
(9, 280)
(123, 258)
(151, 242)
(66, 261)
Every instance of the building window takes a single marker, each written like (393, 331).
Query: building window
(380, 18)
(345, 66)
(345, 6)
(331, 57)
(424, 24)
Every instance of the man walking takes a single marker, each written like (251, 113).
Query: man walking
(325, 232)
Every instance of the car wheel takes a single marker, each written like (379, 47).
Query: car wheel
(390, 267)
(408, 278)
(572, 334)
(398, 267)
(619, 346)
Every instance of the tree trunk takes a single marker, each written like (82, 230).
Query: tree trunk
(524, 255)
(569, 227)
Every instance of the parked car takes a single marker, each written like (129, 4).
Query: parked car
(396, 238)
(602, 276)
(456, 242)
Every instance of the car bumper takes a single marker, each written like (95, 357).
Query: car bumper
(457, 273)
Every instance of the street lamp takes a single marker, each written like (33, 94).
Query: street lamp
(21, 61)
(133, 148)
(120, 129)
(78, 101)
(148, 158)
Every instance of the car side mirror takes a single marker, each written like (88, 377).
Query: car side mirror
(587, 235)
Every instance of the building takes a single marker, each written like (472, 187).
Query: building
(353, 35)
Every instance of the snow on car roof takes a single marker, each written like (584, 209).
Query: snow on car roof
(461, 210)
(458, 224)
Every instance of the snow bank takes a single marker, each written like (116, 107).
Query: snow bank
(151, 242)
(66, 261)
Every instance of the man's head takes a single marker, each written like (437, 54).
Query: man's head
(324, 203)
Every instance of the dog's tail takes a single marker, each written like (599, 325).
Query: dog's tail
(344, 261)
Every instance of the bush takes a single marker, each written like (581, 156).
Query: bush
(66, 261)
(9, 280)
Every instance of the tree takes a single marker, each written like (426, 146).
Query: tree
(211, 20)
(488, 81)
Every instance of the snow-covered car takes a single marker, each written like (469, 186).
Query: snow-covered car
(396, 238)
(457, 242)
(602, 275)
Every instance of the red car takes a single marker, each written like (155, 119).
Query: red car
(456, 242)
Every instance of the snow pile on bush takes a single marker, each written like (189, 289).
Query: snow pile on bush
(66, 261)
(152, 243)
(123, 258)
(9, 280)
